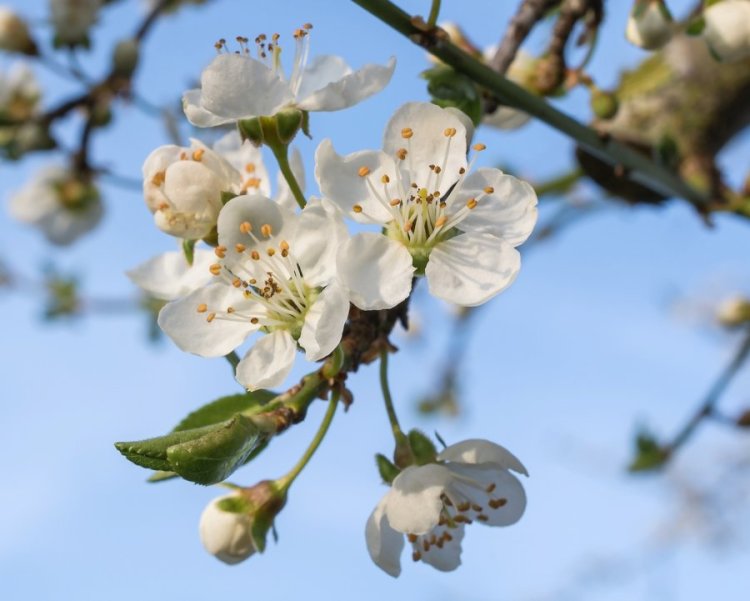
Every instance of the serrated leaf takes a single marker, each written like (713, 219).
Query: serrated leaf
(151, 453)
(214, 456)
(224, 408)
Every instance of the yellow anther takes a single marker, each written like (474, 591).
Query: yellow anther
(210, 317)
(462, 171)
(215, 269)
(236, 282)
(425, 545)
(395, 202)
(447, 536)
(363, 171)
(254, 320)
(408, 226)
(471, 203)
(416, 556)
(271, 252)
(412, 538)
(284, 245)
(159, 178)
(198, 154)
(441, 221)
(479, 147)
(482, 518)
(202, 308)
(307, 26)
(251, 182)
(385, 179)
(252, 282)
(162, 207)
(449, 132)
(250, 168)
(266, 230)
(220, 251)
(183, 156)
(463, 506)
(401, 153)
(255, 256)
(497, 503)
(476, 508)
(442, 204)
(491, 487)
(239, 247)
(357, 208)
(489, 190)
(245, 227)
(407, 132)
(230, 309)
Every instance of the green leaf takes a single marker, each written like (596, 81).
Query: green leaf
(449, 88)
(649, 453)
(225, 408)
(205, 455)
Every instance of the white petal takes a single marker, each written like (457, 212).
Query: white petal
(168, 275)
(474, 483)
(239, 87)
(247, 160)
(321, 71)
(196, 114)
(509, 212)
(268, 362)
(350, 89)
(324, 322)
(413, 504)
(447, 557)
(727, 30)
(227, 536)
(376, 270)
(320, 234)
(471, 268)
(284, 194)
(190, 186)
(340, 181)
(506, 117)
(428, 144)
(189, 329)
(383, 542)
(477, 451)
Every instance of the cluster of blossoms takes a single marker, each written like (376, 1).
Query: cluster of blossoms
(285, 270)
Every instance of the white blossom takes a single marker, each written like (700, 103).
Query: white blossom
(727, 29)
(72, 20)
(650, 24)
(62, 205)
(237, 86)
(458, 229)
(226, 534)
(276, 272)
(14, 33)
(169, 276)
(432, 504)
(734, 312)
(183, 188)
(521, 71)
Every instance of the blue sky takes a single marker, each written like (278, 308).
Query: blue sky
(584, 346)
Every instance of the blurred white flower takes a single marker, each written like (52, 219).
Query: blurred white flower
(459, 230)
(276, 272)
(650, 24)
(14, 33)
(431, 505)
(727, 29)
(72, 20)
(734, 312)
(237, 86)
(61, 204)
(226, 534)
(521, 71)
(168, 276)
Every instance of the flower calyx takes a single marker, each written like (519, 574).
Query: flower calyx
(275, 131)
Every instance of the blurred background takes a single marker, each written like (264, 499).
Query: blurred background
(609, 328)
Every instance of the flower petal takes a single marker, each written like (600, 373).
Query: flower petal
(477, 451)
(190, 330)
(324, 322)
(376, 270)
(446, 556)
(470, 269)
(383, 542)
(428, 144)
(268, 362)
(321, 71)
(320, 234)
(340, 181)
(168, 275)
(495, 494)
(196, 114)
(344, 91)
(237, 87)
(508, 212)
(247, 160)
(413, 505)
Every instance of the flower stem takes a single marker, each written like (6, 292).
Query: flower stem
(434, 12)
(233, 358)
(286, 481)
(281, 152)
(398, 434)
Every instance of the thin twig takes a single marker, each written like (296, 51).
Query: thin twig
(528, 15)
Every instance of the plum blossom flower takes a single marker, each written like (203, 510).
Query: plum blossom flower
(650, 24)
(235, 87)
(458, 229)
(727, 30)
(521, 71)
(276, 272)
(72, 20)
(62, 204)
(432, 504)
(169, 276)
(183, 188)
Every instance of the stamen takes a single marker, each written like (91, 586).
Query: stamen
(255, 255)
(449, 132)
(407, 133)
(357, 208)
(471, 203)
(198, 154)
(159, 178)
(245, 227)
(202, 308)
(489, 190)
(266, 230)
(215, 269)
(210, 317)
(239, 247)
(401, 153)
(385, 179)
(497, 503)
(416, 556)
(412, 538)
(479, 147)
(220, 251)
(363, 171)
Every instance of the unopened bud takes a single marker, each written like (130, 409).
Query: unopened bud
(650, 24)
(604, 104)
(14, 33)
(734, 312)
(549, 74)
(125, 58)
(727, 29)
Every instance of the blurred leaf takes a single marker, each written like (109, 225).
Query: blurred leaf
(449, 88)
(649, 453)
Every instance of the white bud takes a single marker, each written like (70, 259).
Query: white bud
(650, 25)
(72, 20)
(224, 534)
(14, 33)
(727, 29)
(734, 312)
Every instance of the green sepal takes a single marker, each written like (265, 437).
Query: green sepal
(306, 124)
(604, 104)
(386, 469)
(696, 26)
(288, 123)
(235, 504)
(422, 447)
(227, 196)
(250, 129)
(449, 88)
(649, 454)
(188, 249)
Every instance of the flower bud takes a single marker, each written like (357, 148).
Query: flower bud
(14, 33)
(72, 20)
(604, 104)
(734, 312)
(650, 24)
(125, 58)
(727, 29)
(422, 447)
